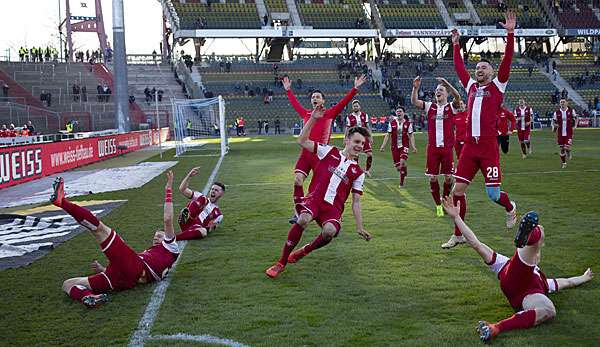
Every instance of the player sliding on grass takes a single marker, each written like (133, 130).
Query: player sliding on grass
(480, 152)
(335, 177)
(521, 280)
(440, 117)
(320, 133)
(125, 268)
(202, 215)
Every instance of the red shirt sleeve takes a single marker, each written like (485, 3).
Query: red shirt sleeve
(296, 104)
(459, 66)
(339, 107)
(504, 69)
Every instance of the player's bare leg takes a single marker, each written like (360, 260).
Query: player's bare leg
(327, 234)
(294, 236)
(523, 150)
(403, 172)
(298, 193)
(97, 267)
(459, 198)
(563, 157)
(369, 164)
(78, 288)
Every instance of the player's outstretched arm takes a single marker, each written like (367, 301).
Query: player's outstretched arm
(287, 85)
(564, 283)
(339, 107)
(414, 94)
(509, 24)
(459, 63)
(411, 139)
(168, 208)
(185, 183)
(385, 141)
(303, 140)
(451, 90)
(356, 210)
(453, 212)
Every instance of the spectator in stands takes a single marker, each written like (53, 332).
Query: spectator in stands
(554, 74)
(30, 128)
(106, 91)
(564, 94)
(260, 126)
(131, 99)
(24, 131)
(241, 126)
(277, 126)
(266, 125)
(147, 95)
(4, 89)
(83, 93)
(99, 96)
(160, 95)
(228, 66)
(76, 91)
(46, 97)
(270, 95)
(265, 20)
(299, 83)
(530, 70)
(4, 131)
(221, 66)
(11, 132)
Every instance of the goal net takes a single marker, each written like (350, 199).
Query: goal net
(199, 127)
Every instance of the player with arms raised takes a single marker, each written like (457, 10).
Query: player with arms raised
(320, 133)
(564, 122)
(524, 116)
(201, 215)
(480, 152)
(403, 126)
(360, 119)
(440, 117)
(336, 176)
(521, 280)
(125, 268)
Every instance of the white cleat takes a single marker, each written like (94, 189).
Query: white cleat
(563, 166)
(454, 241)
(511, 217)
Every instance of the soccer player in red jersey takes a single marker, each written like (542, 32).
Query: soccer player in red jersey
(336, 176)
(440, 117)
(480, 152)
(460, 126)
(506, 124)
(201, 215)
(125, 268)
(524, 116)
(521, 280)
(360, 119)
(320, 133)
(564, 122)
(400, 126)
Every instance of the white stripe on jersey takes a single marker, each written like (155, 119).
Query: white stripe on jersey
(522, 116)
(476, 112)
(207, 211)
(336, 179)
(564, 122)
(439, 126)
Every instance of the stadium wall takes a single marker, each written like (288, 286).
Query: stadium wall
(29, 162)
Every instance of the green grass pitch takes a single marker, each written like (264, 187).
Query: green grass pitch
(399, 289)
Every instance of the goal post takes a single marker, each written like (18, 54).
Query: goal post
(199, 126)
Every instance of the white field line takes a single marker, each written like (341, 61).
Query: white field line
(199, 338)
(142, 333)
(420, 177)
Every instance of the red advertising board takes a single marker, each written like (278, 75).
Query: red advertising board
(25, 163)
(584, 122)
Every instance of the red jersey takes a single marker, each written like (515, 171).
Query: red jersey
(211, 214)
(517, 280)
(484, 101)
(440, 120)
(407, 129)
(504, 117)
(11, 133)
(335, 176)
(373, 121)
(3, 133)
(564, 121)
(361, 120)
(241, 122)
(382, 119)
(393, 127)
(321, 131)
(158, 259)
(524, 118)
(460, 123)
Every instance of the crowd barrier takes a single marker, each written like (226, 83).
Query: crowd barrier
(19, 164)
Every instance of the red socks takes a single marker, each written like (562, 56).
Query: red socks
(523, 148)
(403, 173)
(505, 201)
(78, 292)
(369, 163)
(82, 215)
(298, 194)
(520, 320)
(435, 191)
(294, 236)
(462, 212)
(190, 234)
(317, 243)
(447, 188)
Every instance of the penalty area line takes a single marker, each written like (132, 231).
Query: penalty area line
(142, 332)
(214, 340)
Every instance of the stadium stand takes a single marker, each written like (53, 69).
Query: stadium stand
(410, 14)
(347, 15)
(582, 74)
(218, 15)
(276, 5)
(576, 14)
(529, 15)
